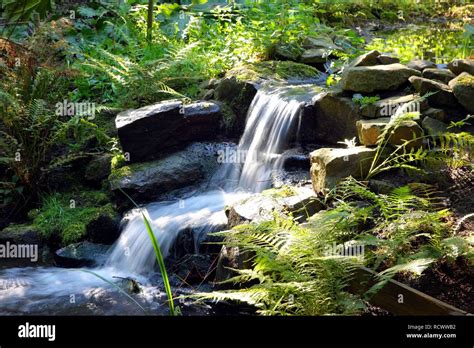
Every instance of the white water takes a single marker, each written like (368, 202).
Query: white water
(271, 122)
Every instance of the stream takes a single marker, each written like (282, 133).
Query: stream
(272, 124)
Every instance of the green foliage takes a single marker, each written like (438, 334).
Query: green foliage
(292, 275)
(365, 101)
(66, 216)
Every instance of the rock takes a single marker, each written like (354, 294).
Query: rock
(238, 95)
(433, 127)
(143, 182)
(369, 131)
(320, 41)
(335, 118)
(387, 59)
(314, 56)
(389, 106)
(437, 114)
(286, 52)
(231, 258)
(330, 165)
(296, 162)
(459, 66)
(105, 229)
(367, 59)
(83, 254)
(381, 186)
(443, 96)
(261, 207)
(153, 130)
(463, 89)
(98, 169)
(368, 79)
(20, 234)
(193, 268)
(442, 75)
(420, 65)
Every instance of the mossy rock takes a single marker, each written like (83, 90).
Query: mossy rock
(73, 217)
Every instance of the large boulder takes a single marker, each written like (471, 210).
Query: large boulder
(442, 75)
(335, 118)
(145, 181)
(154, 130)
(330, 165)
(370, 130)
(368, 79)
(459, 66)
(443, 95)
(389, 106)
(463, 89)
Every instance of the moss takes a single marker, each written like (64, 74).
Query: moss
(282, 192)
(66, 216)
(273, 70)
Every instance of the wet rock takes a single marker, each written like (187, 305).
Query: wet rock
(389, 106)
(238, 95)
(20, 234)
(145, 181)
(98, 169)
(442, 75)
(330, 165)
(367, 59)
(437, 114)
(433, 127)
(296, 162)
(370, 130)
(335, 119)
(463, 89)
(421, 65)
(154, 130)
(458, 66)
(83, 254)
(443, 96)
(367, 79)
(193, 269)
(105, 229)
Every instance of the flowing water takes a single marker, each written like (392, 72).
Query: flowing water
(272, 122)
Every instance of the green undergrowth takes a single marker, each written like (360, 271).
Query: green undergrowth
(66, 216)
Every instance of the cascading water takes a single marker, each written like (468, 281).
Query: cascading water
(272, 121)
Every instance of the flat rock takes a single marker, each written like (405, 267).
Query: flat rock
(437, 114)
(368, 79)
(330, 165)
(314, 56)
(442, 75)
(420, 64)
(463, 89)
(145, 181)
(320, 41)
(83, 254)
(154, 130)
(389, 106)
(443, 97)
(458, 66)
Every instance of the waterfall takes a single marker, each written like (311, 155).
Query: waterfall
(272, 120)
(271, 124)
